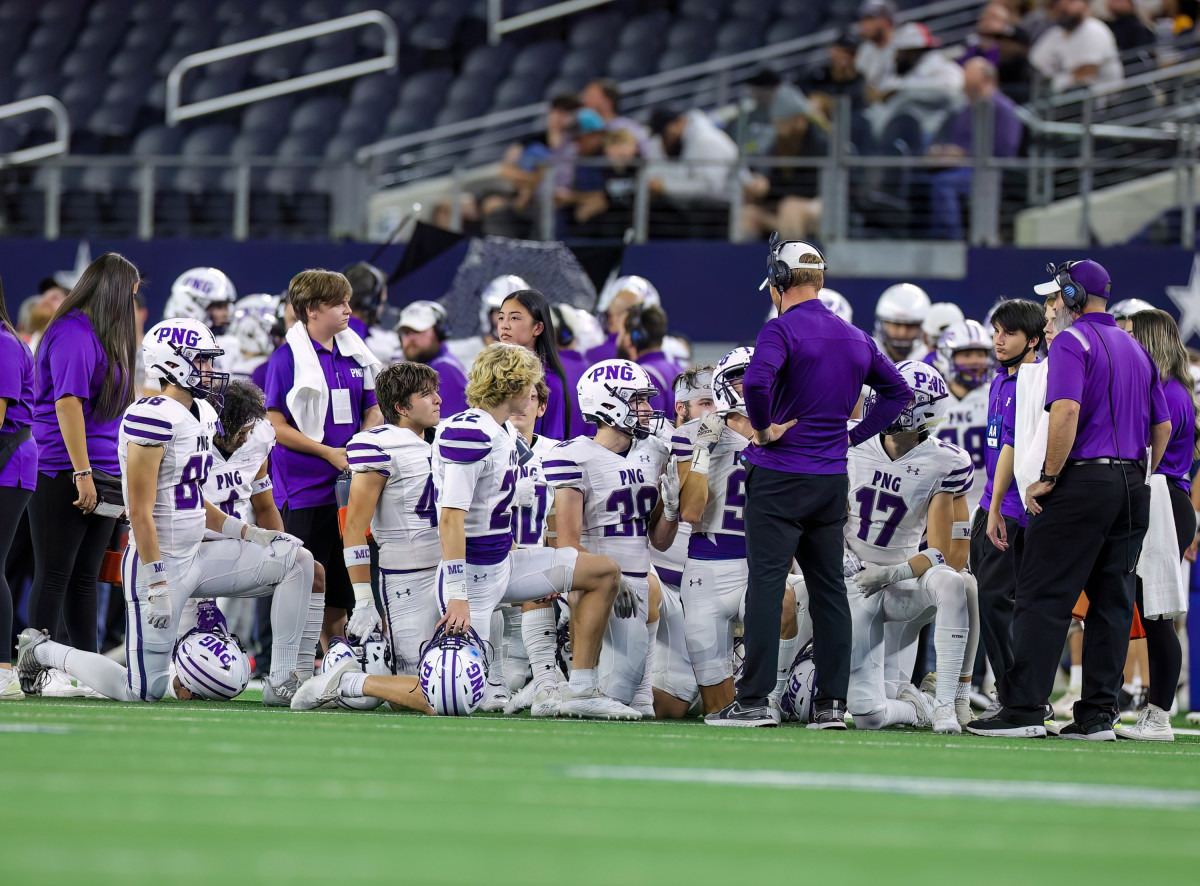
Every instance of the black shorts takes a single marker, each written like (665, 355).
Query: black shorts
(318, 529)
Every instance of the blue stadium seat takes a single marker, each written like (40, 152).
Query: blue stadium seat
(271, 115)
(426, 87)
(493, 60)
(561, 85)
(342, 146)
(238, 31)
(255, 143)
(377, 92)
(17, 11)
(644, 32)
(586, 63)
(363, 120)
(324, 59)
(681, 57)
(147, 39)
(761, 11)
(788, 29)
(538, 58)
(112, 120)
(62, 13)
(738, 36)
(101, 37)
(108, 10)
(709, 10)
(278, 63)
(406, 121)
(318, 11)
(434, 34)
(315, 115)
(463, 110)
(690, 32)
(629, 64)
(125, 92)
(516, 92)
(595, 31)
(42, 84)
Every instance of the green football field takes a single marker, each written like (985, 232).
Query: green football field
(179, 793)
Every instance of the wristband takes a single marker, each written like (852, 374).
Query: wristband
(454, 580)
(357, 555)
(934, 556)
(700, 460)
(86, 472)
(960, 530)
(233, 527)
(156, 573)
(362, 592)
(263, 485)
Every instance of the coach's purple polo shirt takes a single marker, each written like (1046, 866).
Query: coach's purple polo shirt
(308, 481)
(1002, 422)
(606, 350)
(1176, 464)
(1116, 409)
(16, 386)
(71, 363)
(810, 365)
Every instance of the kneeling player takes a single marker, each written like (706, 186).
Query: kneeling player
(902, 483)
(165, 450)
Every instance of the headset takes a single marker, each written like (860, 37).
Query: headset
(562, 331)
(368, 299)
(1074, 296)
(637, 330)
(439, 328)
(779, 272)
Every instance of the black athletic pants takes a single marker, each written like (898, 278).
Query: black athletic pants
(801, 516)
(318, 529)
(996, 572)
(1162, 643)
(1089, 535)
(12, 506)
(68, 550)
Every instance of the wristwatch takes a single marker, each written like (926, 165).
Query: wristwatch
(1047, 478)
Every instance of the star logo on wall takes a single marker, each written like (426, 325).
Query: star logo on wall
(67, 278)
(1187, 299)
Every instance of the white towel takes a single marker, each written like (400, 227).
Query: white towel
(1164, 594)
(308, 400)
(1032, 425)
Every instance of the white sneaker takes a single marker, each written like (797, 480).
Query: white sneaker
(59, 684)
(919, 700)
(322, 690)
(1193, 719)
(1153, 725)
(547, 700)
(945, 720)
(521, 700)
(1065, 706)
(10, 685)
(495, 697)
(592, 704)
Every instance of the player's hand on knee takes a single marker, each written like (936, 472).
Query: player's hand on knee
(874, 579)
(266, 537)
(158, 607)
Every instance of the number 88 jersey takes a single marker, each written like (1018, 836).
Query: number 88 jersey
(889, 500)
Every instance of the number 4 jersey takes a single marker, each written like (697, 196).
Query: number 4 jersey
(231, 482)
(185, 436)
(889, 500)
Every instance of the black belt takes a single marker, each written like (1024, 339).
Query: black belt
(1104, 461)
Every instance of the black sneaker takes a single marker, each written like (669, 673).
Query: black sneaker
(829, 716)
(734, 714)
(1007, 725)
(1097, 730)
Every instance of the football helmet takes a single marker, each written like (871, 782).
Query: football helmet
(211, 663)
(902, 303)
(253, 319)
(729, 371)
(639, 286)
(371, 656)
(170, 351)
(453, 672)
(836, 302)
(606, 394)
(1126, 308)
(493, 297)
(941, 315)
(194, 291)
(796, 702)
(928, 404)
(968, 335)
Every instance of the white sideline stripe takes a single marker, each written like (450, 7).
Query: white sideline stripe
(1120, 796)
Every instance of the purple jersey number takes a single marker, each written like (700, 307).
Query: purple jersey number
(195, 474)
(501, 518)
(633, 512)
(735, 503)
(868, 504)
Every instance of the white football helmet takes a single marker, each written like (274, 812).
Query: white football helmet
(211, 664)
(252, 322)
(453, 672)
(728, 373)
(836, 302)
(969, 335)
(170, 352)
(371, 657)
(493, 297)
(796, 702)
(606, 394)
(194, 291)
(1126, 308)
(639, 286)
(928, 405)
(903, 303)
(940, 316)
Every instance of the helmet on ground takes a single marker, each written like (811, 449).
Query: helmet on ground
(969, 335)
(929, 398)
(211, 664)
(171, 351)
(371, 657)
(797, 700)
(607, 391)
(253, 319)
(453, 672)
(728, 373)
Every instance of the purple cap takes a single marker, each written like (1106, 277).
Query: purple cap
(1087, 273)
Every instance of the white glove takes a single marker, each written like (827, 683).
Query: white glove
(158, 603)
(526, 493)
(669, 488)
(710, 430)
(266, 537)
(851, 565)
(626, 602)
(874, 579)
(364, 618)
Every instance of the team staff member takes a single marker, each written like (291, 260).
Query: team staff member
(320, 392)
(525, 320)
(85, 371)
(800, 389)
(999, 524)
(422, 336)
(18, 472)
(1089, 512)
(641, 341)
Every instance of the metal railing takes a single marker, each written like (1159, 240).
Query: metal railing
(62, 129)
(498, 26)
(177, 112)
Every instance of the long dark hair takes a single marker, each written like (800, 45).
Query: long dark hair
(545, 345)
(104, 294)
(4, 311)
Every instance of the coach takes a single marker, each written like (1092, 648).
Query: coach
(800, 388)
(1089, 511)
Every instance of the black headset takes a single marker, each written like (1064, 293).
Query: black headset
(779, 272)
(562, 331)
(637, 330)
(439, 327)
(1074, 296)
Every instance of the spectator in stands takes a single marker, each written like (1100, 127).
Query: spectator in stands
(608, 211)
(423, 337)
(791, 203)
(1129, 29)
(771, 101)
(1037, 17)
(839, 77)
(920, 65)
(706, 157)
(1078, 50)
(875, 58)
(980, 86)
(604, 97)
(1004, 43)
(641, 341)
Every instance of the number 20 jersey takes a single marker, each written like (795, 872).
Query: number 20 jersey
(620, 492)
(185, 436)
(405, 520)
(889, 500)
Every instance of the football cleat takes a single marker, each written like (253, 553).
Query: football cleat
(10, 685)
(54, 683)
(28, 669)
(279, 695)
(521, 700)
(592, 704)
(922, 703)
(945, 720)
(547, 700)
(1065, 706)
(322, 690)
(495, 698)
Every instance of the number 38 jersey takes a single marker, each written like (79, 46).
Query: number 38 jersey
(405, 520)
(889, 500)
(720, 533)
(231, 481)
(185, 436)
(966, 427)
(620, 491)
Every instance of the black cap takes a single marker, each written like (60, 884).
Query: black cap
(662, 117)
(847, 40)
(765, 77)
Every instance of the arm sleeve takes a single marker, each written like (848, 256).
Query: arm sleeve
(770, 354)
(364, 456)
(142, 426)
(892, 394)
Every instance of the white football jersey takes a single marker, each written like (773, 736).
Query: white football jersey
(674, 558)
(185, 436)
(620, 491)
(231, 480)
(723, 514)
(529, 523)
(475, 470)
(966, 427)
(384, 344)
(405, 521)
(889, 500)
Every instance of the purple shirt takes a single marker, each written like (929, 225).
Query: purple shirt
(606, 350)
(1007, 132)
(71, 363)
(1116, 410)
(1176, 462)
(810, 365)
(575, 365)
(1002, 422)
(452, 382)
(662, 371)
(553, 423)
(259, 375)
(16, 386)
(358, 326)
(308, 480)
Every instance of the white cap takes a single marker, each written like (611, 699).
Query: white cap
(421, 315)
(791, 252)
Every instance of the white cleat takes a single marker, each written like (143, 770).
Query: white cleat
(646, 710)
(495, 697)
(279, 695)
(10, 685)
(962, 710)
(592, 704)
(1064, 708)
(322, 690)
(945, 720)
(1153, 725)
(547, 700)
(521, 700)
(919, 700)
(54, 683)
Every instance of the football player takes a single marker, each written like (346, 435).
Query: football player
(964, 358)
(165, 450)
(606, 498)
(253, 319)
(904, 483)
(940, 317)
(899, 313)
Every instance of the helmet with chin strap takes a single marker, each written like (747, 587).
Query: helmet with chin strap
(172, 352)
(904, 303)
(607, 391)
(928, 404)
(969, 335)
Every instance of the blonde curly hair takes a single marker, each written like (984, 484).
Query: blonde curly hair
(501, 372)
